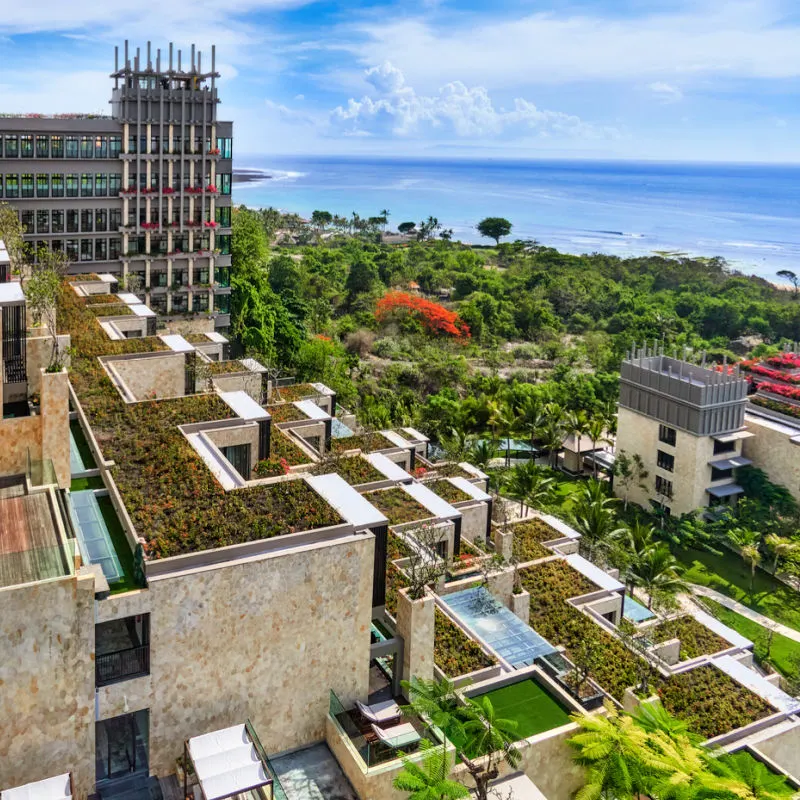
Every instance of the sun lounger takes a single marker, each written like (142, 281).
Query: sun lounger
(398, 735)
(379, 713)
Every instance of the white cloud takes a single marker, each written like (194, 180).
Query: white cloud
(397, 110)
(742, 38)
(83, 91)
(665, 92)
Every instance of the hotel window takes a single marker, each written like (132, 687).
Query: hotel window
(12, 146)
(43, 221)
(57, 147)
(114, 184)
(72, 220)
(86, 220)
(114, 146)
(222, 303)
(200, 302)
(87, 182)
(87, 145)
(663, 487)
(58, 221)
(86, 250)
(155, 143)
(202, 275)
(223, 216)
(665, 461)
(224, 244)
(100, 219)
(142, 144)
(158, 279)
(100, 185)
(100, 147)
(42, 146)
(224, 183)
(131, 144)
(180, 303)
(724, 447)
(114, 248)
(667, 435)
(27, 185)
(114, 219)
(12, 186)
(26, 145)
(239, 457)
(225, 147)
(72, 185)
(57, 185)
(176, 144)
(72, 249)
(71, 143)
(42, 185)
(100, 249)
(57, 245)
(26, 220)
(721, 474)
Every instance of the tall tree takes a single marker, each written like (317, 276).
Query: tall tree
(429, 780)
(747, 542)
(11, 235)
(658, 572)
(494, 228)
(792, 277)
(628, 471)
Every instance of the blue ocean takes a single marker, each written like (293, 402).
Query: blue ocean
(748, 214)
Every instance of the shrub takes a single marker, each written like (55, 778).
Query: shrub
(448, 492)
(453, 651)
(696, 639)
(397, 505)
(435, 319)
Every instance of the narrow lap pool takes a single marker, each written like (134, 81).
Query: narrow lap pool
(501, 629)
(635, 611)
(94, 534)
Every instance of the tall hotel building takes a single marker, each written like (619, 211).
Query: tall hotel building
(145, 191)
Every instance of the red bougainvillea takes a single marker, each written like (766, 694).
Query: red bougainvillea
(785, 360)
(793, 393)
(435, 318)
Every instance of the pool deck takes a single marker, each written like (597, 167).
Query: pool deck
(313, 774)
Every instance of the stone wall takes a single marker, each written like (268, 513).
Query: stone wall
(266, 639)
(38, 351)
(415, 625)
(249, 382)
(784, 749)
(158, 376)
(55, 423)
(771, 449)
(473, 522)
(17, 436)
(241, 434)
(47, 682)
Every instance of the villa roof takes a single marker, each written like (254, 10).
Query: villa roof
(312, 410)
(352, 506)
(56, 788)
(384, 464)
(439, 508)
(596, 575)
(758, 684)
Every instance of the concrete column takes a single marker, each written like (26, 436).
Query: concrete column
(191, 177)
(149, 170)
(415, 624)
(521, 606)
(126, 171)
(55, 423)
(190, 302)
(170, 133)
(169, 301)
(126, 132)
(500, 585)
(210, 300)
(190, 272)
(149, 148)
(169, 272)
(147, 274)
(504, 544)
(147, 241)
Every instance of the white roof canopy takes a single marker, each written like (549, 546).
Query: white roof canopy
(758, 684)
(312, 410)
(397, 440)
(142, 311)
(11, 292)
(129, 298)
(227, 763)
(470, 488)
(58, 788)
(594, 573)
(439, 508)
(243, 405)
(392, 471)
(352, 506)
(176, 343)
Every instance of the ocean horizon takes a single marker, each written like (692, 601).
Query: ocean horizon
(745, 213)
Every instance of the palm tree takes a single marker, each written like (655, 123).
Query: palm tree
(529, 418)
(780, 547)
(749, 779)
(631, 545)
(482, 452)
(429, 781)
(596, 431)
(592, 516)
(610, 747)
(658, 573)
(457, 444)
(384, 217)
(552, 431)
(528, 483)
(746, 542)
(576, 424)
(501, 420)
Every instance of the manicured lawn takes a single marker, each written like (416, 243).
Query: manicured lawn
(530, 706)
(80, 484)
(782, 648)
(729, 575)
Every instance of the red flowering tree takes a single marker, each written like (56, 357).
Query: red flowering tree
(435, 319)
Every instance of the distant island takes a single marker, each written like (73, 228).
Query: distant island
(250, 175)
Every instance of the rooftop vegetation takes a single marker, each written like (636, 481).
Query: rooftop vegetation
(171, 496)
(453, 651)
(452, 470)
(776, 405)
(448, 492)
(100, 299)
(110, 310)
(354, 469)
(286, 412)
(398, 506)
(528, 538)
(86, 276)
(225, 367)
(366, 442)
(197, 338)
(696, 639)
(297, 391)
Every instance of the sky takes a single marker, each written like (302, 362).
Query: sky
(692, 80)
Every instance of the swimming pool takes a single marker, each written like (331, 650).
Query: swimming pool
(635, 611)
(501, 629)
(94, 534)
(339, 430)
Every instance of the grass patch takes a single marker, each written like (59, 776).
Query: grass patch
(81, 484)
(82, 445)
(528, 538)
(783, 649)
(728, 574)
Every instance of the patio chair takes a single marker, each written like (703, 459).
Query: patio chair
(398, 735)
(379, 713)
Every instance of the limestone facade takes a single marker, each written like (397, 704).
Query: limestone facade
(772, 449)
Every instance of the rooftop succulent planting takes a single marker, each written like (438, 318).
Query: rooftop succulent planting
(448, 492)
(696, 639)
(86, 276)
(452, 470)
(395, 581)
(397, 505)
(172, 498)
(710, 702)
(110, 310)
(354, 469)
(453, 651)
(281, 446)
(528, 538)
(197, 338)
(776, 405)
(99, 299)
(366, 442)
(297, 392)
(226, 367)
(286, 412)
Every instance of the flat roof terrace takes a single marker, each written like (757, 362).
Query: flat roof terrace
(30, 547)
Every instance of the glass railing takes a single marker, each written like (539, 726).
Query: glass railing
(41, 472)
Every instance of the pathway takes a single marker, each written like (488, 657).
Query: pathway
(755, 616)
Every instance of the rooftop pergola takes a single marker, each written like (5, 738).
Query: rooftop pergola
(57, 788)
(228, 763)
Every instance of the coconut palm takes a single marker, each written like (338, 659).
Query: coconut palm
(598, 425)
(780, 547)
(530, 417)
(482, 452)
(428, 780)
(529, 483)
(746, 541)
(576, 423)
(630, 547)
(501, 421)
(592, 516)
(610, 747)
(552, 430)
(658, 573)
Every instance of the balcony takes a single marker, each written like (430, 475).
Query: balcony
(122, 649)
(122, 665)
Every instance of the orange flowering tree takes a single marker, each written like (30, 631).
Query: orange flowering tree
(435, 319)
